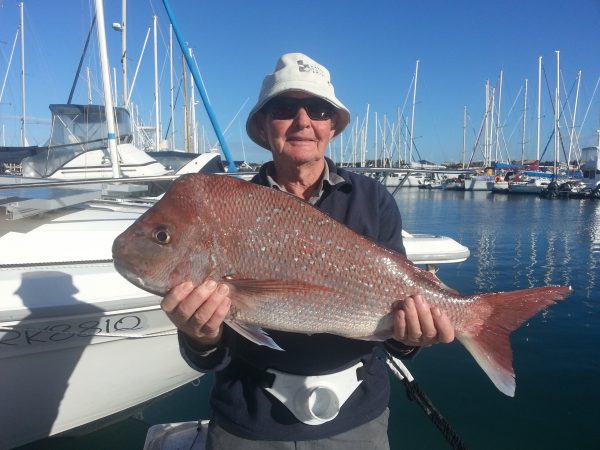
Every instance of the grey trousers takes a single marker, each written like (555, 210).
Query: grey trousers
(370, 436)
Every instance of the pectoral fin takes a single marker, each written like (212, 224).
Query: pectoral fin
(247, 292)
(254, 334)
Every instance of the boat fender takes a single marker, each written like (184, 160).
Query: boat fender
(498, 179)
(315, 400)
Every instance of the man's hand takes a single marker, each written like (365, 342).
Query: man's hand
(198, 311)
(416, 324)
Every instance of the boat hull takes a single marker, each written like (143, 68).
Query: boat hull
(54, 381)
(78, 342)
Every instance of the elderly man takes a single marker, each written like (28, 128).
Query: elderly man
(295, 118)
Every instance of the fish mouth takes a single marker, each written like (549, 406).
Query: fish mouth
(159, 289)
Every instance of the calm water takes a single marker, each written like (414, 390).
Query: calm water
(515, 242)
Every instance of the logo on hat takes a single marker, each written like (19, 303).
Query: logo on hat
(302, 67)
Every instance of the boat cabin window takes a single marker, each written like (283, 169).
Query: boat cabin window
(77, 129)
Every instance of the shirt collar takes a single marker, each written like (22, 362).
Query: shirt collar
(330, 177)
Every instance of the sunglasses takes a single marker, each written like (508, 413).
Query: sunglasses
(286, 108)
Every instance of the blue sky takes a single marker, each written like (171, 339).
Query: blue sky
(370, 49)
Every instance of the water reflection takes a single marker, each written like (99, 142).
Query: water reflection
(593, 225)
(516, 242)
(550, 262)
(485, 253)
(519, 243)
(530, 271)
(517, 260)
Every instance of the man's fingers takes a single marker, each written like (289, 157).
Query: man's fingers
(426, 323)
(415, 323)
(413, 326)
(175, 296)
(213, 325)
(400, 325)
(204, 315)
(445, 329)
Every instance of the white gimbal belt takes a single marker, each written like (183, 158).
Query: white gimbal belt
(315, 400)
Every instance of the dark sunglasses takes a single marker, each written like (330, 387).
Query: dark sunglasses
(285, 108)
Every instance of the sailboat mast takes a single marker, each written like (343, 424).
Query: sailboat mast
(573, 133)
(498, 122)
(197, 81)
(363, 154)
(23, 103)
(156, 106)
(108, 104)
(193, 112)
(185, 107)
(412, 119)
(464, 149)
(486, 141)
(557, 114)
(124, 51)
(524, 124)
(493, 126)
(539, 108)
(171, 87)
(376, 149)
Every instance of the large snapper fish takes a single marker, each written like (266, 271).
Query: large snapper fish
(291, 267)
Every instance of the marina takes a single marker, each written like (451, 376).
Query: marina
(515, 242)
(88, 360)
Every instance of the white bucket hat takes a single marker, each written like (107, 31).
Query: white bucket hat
(296, 72)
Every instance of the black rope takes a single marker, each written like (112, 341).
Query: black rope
(415, 394)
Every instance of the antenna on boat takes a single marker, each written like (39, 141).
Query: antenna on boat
(196, 75)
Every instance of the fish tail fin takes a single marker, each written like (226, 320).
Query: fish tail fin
(495, 317)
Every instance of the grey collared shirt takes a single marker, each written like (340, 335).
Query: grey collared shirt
(328, 177)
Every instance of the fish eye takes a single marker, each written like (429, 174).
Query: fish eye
(161, 235)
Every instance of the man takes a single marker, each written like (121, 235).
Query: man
(296, 116)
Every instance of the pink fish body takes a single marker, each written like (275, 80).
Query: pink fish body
(291, 267)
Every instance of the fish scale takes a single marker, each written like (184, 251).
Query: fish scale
(290, 267)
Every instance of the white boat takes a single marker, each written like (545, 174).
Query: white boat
(453, 184)
(78, 343)
(530, 186)
(415, 179)
(431, 184)
(498, 185)
(478, 183)
(430, 250)
(77, 149)
(590, 164)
